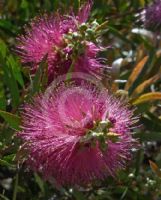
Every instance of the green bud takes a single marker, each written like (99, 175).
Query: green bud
(70, 45)
(94, 24)
(90, 31)
(83, 27)
(75, 35)
(68, 36)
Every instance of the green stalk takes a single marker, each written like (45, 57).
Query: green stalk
(15, 188)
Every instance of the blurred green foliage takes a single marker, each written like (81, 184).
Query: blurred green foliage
(135, 58)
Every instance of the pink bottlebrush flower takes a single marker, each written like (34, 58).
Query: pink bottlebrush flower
(76, 135)
(151, 15)
(63, 39)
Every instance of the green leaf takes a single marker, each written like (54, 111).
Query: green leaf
(139, 160)
(8, 27)
(10, 81)
(24, 4)
(3, 51)
(78, 195)
(40, 78)
(11, 119)
(76, 5)
(124, 193)
(4, 197)
(39, 182)
(9, 158)
(12, 85)
(117, 33)
(2, 97)
(3, 48)
(5, 163)
(142, 2)
(151, 136)
(151, 122)
(15, 69)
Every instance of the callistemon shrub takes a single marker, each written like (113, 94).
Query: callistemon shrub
(77, 134)
(151, 16)
(69, 42)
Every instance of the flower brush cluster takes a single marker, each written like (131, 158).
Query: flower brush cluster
(152, 16)
(76, 134)
(69, 42)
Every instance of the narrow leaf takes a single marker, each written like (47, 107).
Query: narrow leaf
(151, 96)
(155, 168)
(137, 69)
(141, 75)
(145, 84)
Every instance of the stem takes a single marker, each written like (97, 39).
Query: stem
(15, 188)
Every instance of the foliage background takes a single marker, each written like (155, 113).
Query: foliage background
(135, 58)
